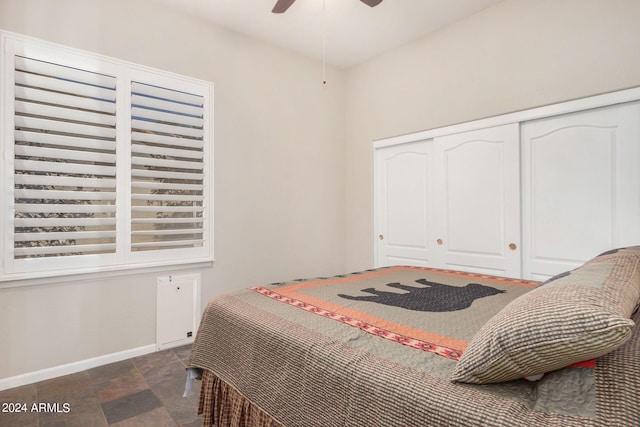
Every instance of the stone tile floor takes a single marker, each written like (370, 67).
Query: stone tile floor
(143, 391)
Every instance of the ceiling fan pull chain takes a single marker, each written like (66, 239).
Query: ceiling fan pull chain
(324, 42)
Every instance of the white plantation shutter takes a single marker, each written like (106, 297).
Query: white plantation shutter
(64, 160)
(107, 165)
(167, 169)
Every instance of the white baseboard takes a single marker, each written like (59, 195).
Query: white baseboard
(180, 343)
(72, 368)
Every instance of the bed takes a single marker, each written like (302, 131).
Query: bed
(410, 346)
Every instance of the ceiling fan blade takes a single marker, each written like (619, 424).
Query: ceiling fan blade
(371, 3)
(282, 5)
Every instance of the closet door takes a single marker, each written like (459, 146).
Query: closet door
(403, 218)
(478, 201)
(581, 186)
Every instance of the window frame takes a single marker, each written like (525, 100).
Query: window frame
(125, 73)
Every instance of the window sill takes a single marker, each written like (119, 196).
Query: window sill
(92, 274)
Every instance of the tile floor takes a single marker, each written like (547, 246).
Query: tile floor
(143, 391)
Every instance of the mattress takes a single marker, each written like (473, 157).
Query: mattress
(378, 348)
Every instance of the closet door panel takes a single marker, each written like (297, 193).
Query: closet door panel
(474, 217)
(581, 184)
(478, 200)
(403, 225)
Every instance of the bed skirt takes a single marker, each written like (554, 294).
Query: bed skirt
(221, 405)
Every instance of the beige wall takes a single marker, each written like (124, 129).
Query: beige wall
(516, 55)
(279, 162)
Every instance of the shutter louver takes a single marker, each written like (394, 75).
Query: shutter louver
(65, 161)
(167, 169)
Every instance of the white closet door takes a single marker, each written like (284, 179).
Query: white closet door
(402, 187)
(478, 201)
(581, 184)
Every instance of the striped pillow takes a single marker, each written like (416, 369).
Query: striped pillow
(576, 316)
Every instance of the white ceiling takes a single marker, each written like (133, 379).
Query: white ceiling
(352, 31)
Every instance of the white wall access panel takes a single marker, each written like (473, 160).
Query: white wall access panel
(178, 312)
(477, 200)
(403, 220)
(581, 176)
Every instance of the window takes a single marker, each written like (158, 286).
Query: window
(107, 165)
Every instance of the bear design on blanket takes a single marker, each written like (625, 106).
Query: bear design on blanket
(434, 297)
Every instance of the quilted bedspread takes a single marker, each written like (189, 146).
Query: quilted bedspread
(377, 348)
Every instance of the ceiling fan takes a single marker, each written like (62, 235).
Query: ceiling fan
(282, 5)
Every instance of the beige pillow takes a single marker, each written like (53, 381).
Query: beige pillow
(576, 316)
